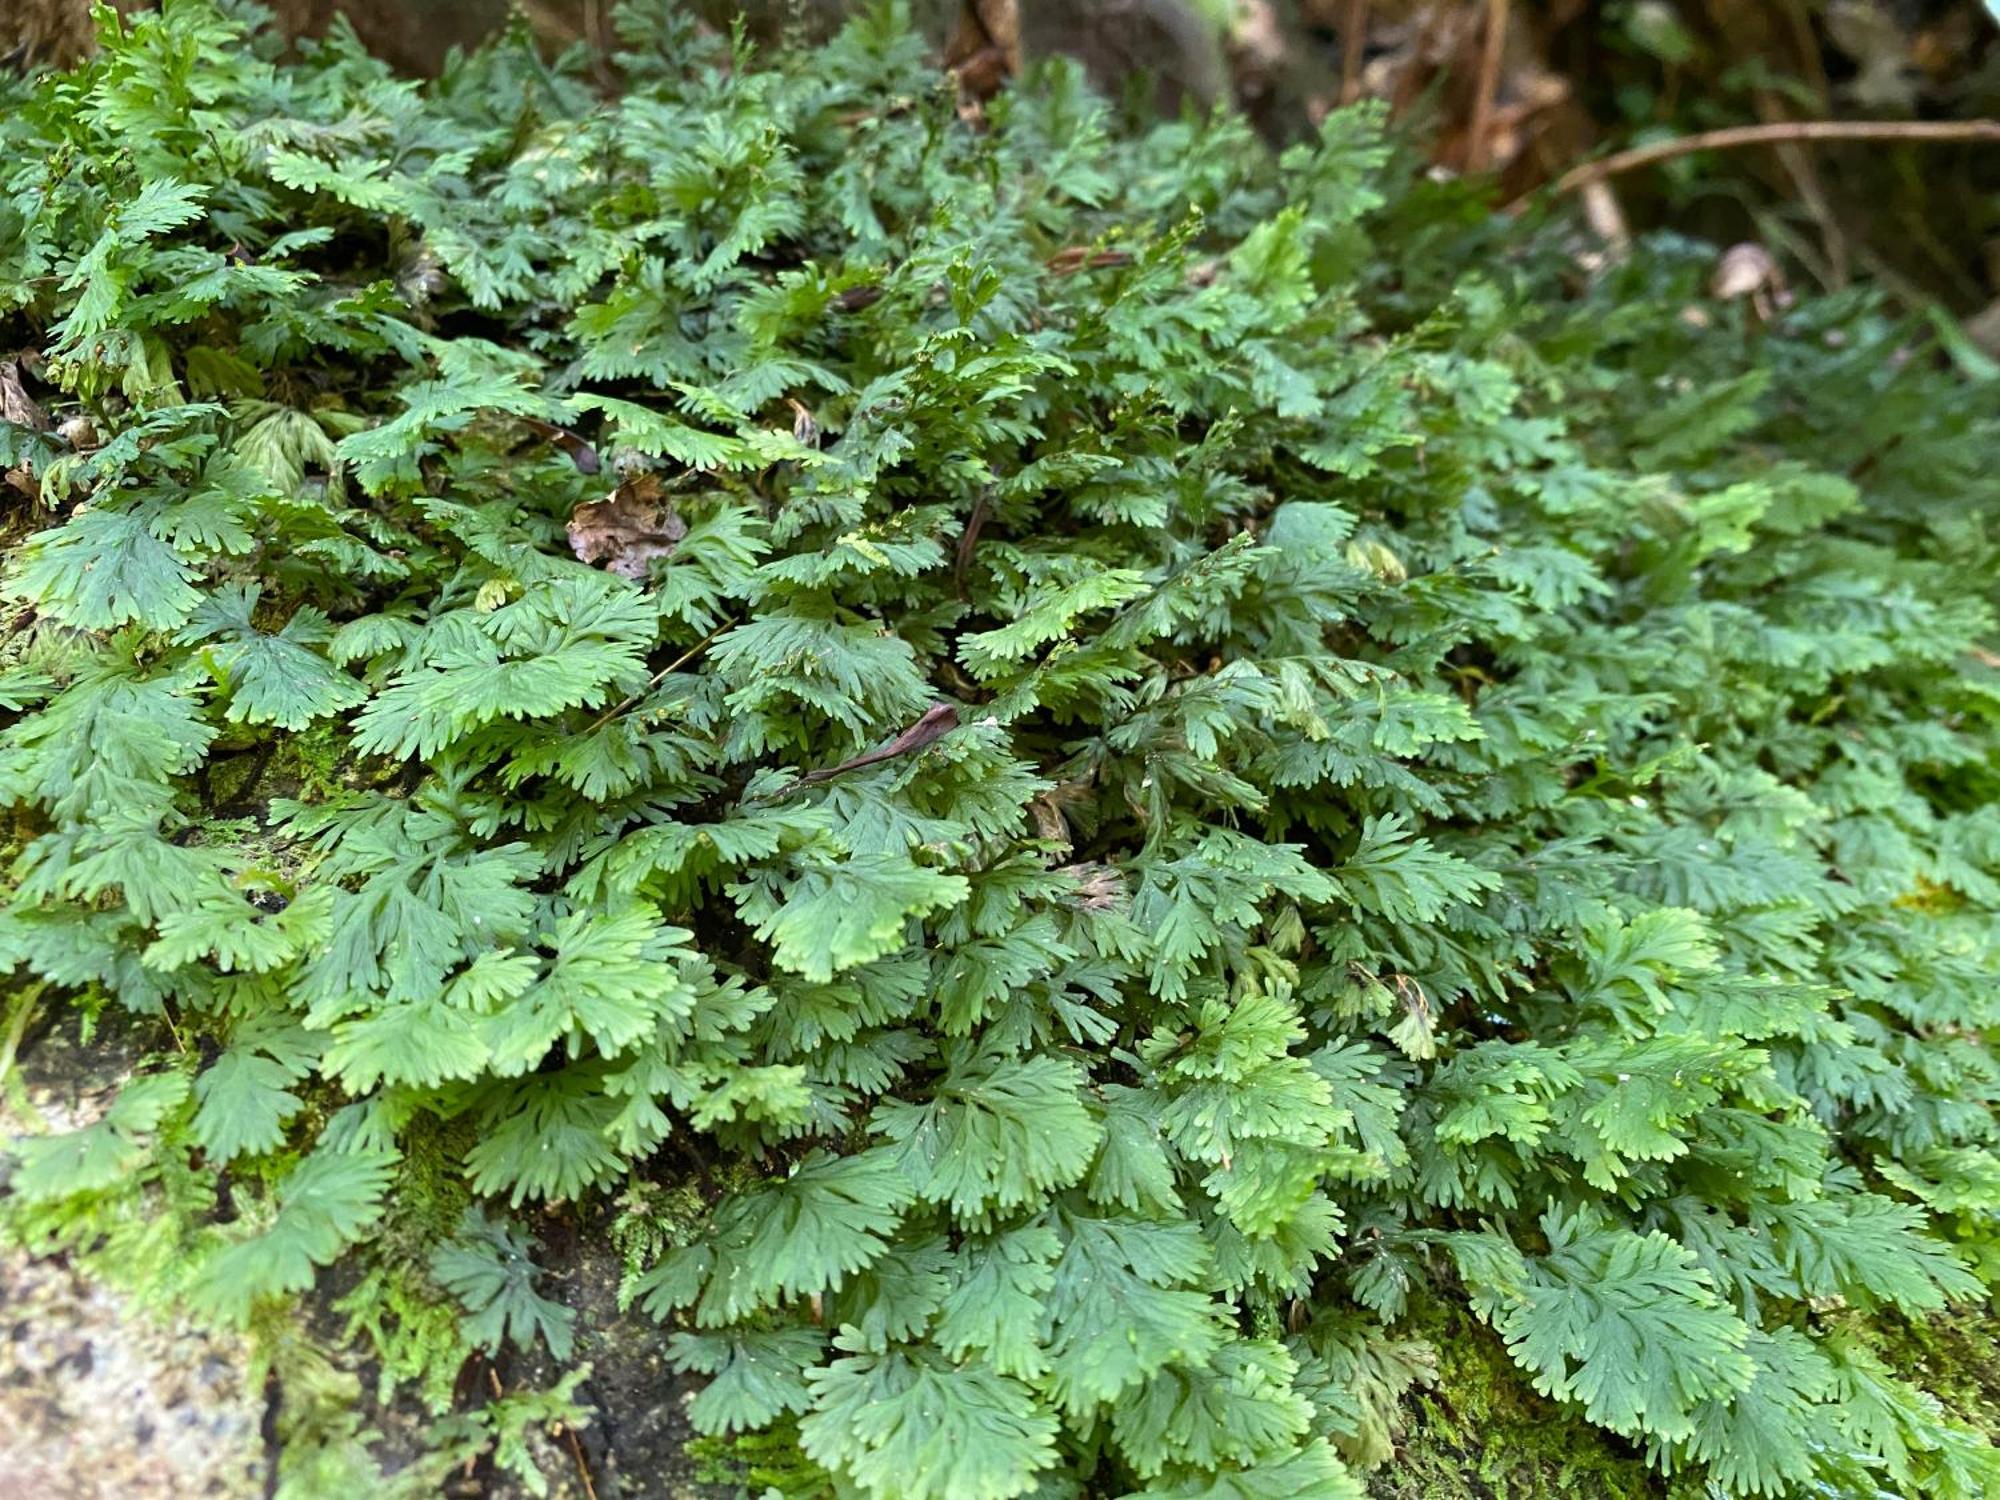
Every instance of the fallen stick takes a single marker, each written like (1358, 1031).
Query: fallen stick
(1789, 130)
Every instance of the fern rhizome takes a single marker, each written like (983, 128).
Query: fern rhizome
(1113, 774)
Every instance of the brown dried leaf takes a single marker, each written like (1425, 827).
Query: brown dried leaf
(1073, 258)
(572, 444)
(16, 405)
(938, 720)
(627, 529)
(1048, 820)
(989, 23)
(1099, 887)
(1749, 270)
(1602, 213)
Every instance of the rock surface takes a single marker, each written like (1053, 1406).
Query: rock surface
(99, 1400)
(103, 1399)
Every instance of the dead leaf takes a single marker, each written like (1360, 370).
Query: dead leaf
(573, 444)
(1099, 887)
(16, 405)
(1602, 213)
(627, 529)
(968, 539)
(938, 720)
(1070, 805)
(1048, 820)
(1743, 269)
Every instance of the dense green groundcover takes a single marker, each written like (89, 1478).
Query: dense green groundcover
(1464, 787)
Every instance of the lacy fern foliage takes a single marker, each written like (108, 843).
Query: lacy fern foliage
(1142, 759)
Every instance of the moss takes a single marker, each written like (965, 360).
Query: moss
(311, 765)
(1482, 1433)
(1955, 1356)
(415, 1336)
(652, 1217)
(761, 1463)
(431, 1194)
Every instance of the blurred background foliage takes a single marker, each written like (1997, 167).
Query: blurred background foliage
(1521, 90)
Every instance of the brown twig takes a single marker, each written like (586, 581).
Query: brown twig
(660, 676)
(582, 1468)
(938, 721)
(1765, 135)
(1488, 88)
(1353, 42)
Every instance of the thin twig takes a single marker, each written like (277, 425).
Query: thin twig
(1764, 135)
(661, 676)
(582, 1468)
(1353, 42)
(1488, 88)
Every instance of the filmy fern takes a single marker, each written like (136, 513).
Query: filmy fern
(1461, 785)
